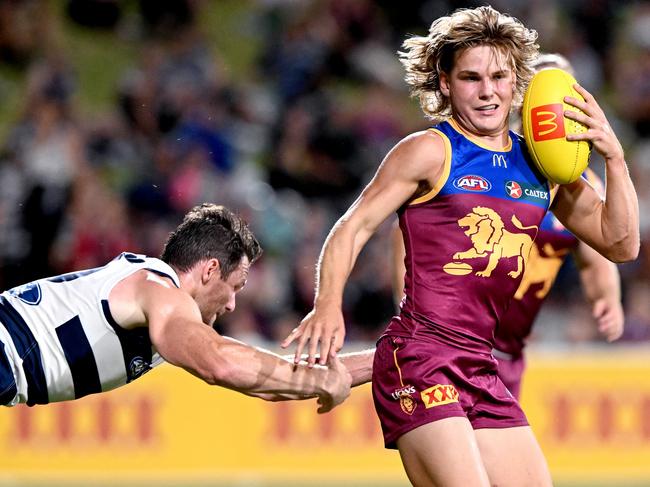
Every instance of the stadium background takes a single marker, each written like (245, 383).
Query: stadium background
(117, 116)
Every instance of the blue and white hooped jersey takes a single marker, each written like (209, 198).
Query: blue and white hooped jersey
(61, 340)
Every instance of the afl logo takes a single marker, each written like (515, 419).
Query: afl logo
(513, 189)
(473, 183)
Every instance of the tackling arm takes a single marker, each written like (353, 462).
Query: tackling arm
(182, 339)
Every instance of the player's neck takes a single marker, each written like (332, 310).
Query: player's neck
(499, 140)
(189, 282)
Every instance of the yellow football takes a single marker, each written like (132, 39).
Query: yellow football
(545, 127)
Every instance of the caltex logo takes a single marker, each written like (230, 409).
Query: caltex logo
(513, 189)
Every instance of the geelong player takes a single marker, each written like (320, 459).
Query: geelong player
(86, 332)
(436, 390)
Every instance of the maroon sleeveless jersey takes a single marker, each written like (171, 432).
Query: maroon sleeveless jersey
(467, 241)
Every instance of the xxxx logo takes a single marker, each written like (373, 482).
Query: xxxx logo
(547, 122)
(438, 395)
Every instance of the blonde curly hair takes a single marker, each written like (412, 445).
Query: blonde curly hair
(424, 58)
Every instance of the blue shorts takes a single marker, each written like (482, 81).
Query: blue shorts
(416, 382)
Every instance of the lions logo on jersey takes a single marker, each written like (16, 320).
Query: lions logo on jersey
(489, 238)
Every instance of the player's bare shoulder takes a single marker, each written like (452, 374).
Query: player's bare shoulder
(419, 156)
(131, 297)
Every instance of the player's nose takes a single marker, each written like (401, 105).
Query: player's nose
(486, 88)
(231, 304)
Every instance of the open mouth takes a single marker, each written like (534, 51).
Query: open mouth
(488, 108)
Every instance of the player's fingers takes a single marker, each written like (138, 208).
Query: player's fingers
(611, 334)
(337, 343)
(589, 98)
(599, 308)
(295, 333)
(299, 347)
(584, 119)
(611, 330)
(313, 348)
(577, 137)
(577, 103)
(334, 362)
(325, 348)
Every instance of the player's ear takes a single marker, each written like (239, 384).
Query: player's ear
(211, 270)
(444, 84)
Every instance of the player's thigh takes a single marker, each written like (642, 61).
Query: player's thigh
(443, 453)
(512, 457)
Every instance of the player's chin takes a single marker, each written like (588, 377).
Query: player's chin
(491, 120)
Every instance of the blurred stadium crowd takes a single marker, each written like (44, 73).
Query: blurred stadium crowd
(288, 145)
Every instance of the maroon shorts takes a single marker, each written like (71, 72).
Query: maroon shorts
(415, 382)
(511, 370)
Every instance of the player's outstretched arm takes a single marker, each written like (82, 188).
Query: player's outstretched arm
(182, 339)
(610, 226)
(414, 163)
(601, 284)
(359, 365)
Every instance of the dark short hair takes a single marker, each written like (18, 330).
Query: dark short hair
(210, 231)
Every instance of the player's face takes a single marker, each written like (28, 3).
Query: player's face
(480, 87)
(220, 296)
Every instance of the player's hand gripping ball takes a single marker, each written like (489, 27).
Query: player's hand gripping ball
(545, 127)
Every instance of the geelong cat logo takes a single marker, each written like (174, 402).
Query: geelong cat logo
(138, 367)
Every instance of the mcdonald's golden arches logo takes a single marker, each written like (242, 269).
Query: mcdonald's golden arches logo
(547, 122)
